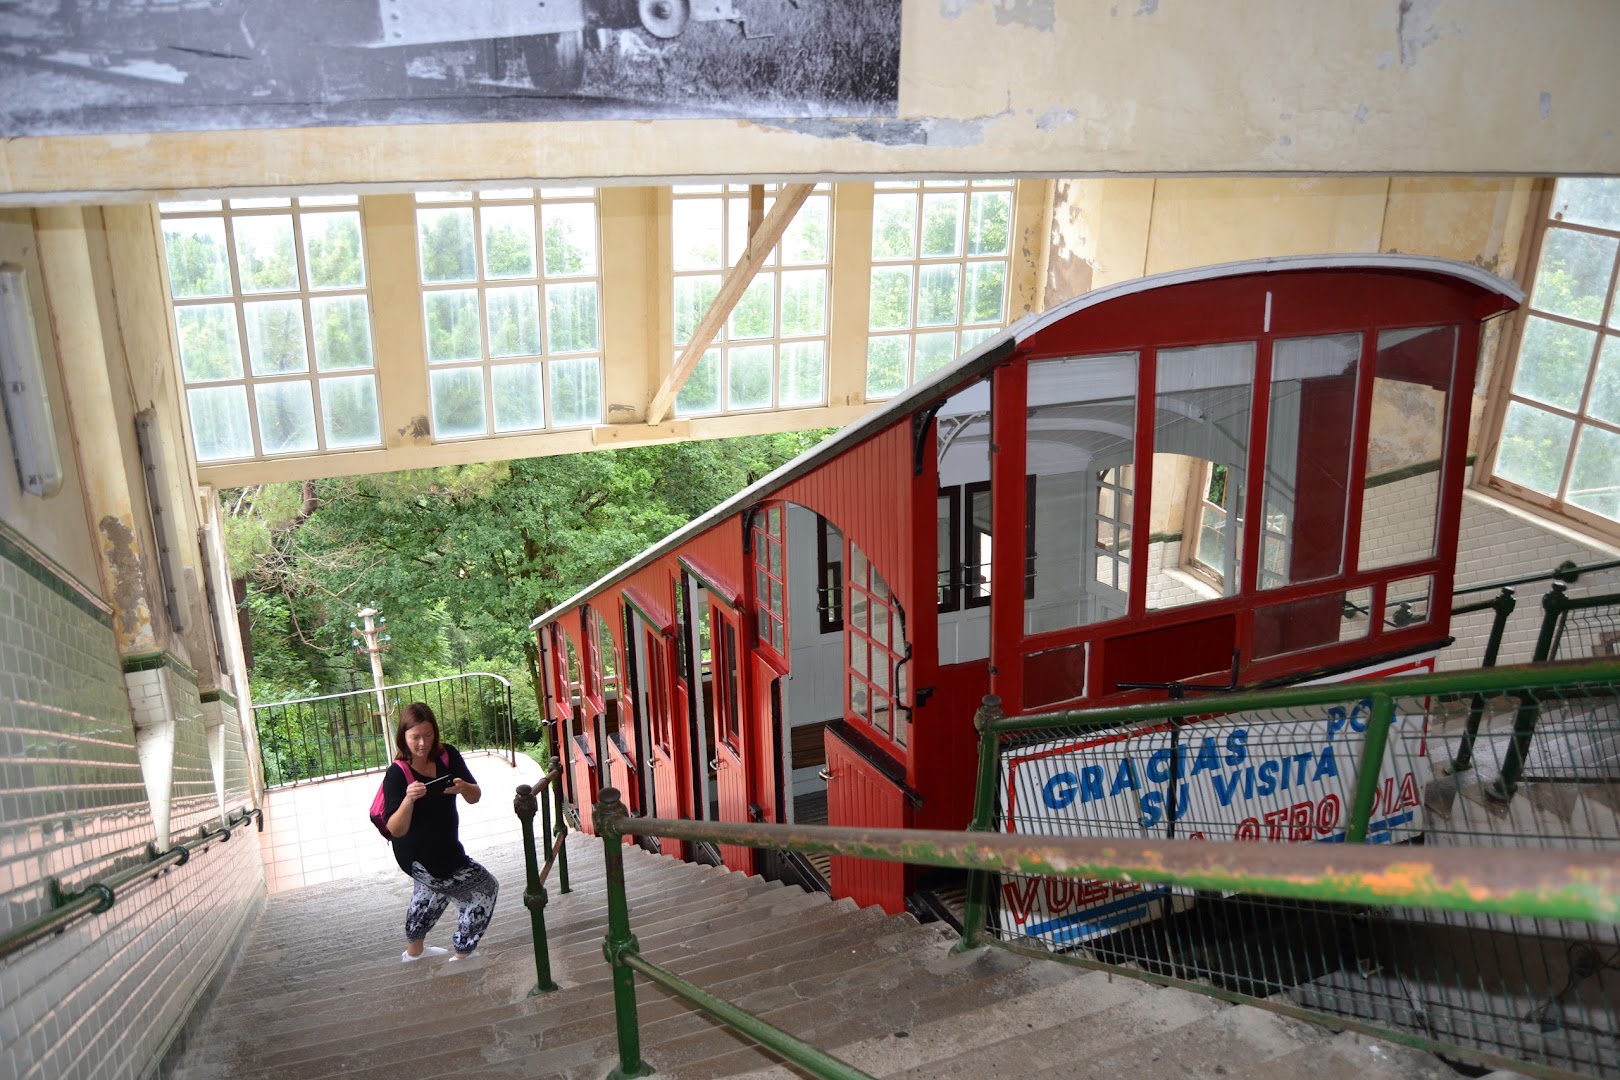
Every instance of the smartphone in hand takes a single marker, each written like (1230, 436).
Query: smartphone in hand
(436, 780)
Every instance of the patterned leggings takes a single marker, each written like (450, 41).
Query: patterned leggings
(472, 888)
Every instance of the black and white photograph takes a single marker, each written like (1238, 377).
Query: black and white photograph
(70, 67)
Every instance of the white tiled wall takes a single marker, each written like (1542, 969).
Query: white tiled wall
(104, 998)
(1497, 543)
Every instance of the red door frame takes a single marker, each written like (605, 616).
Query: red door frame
(731, 756)
(860, 796)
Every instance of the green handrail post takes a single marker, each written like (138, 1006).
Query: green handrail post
(984, 809)
(560, 842)
(1371, 764)
(1553, 606)
(1503, 605)
(609, 817)
(534, 895)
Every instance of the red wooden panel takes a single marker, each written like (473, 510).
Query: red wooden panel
(867, 493)
(731, 735)
(764, 746)
(859, 796)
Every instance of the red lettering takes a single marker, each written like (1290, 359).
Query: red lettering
(1059, 895)
(1248, 829)
(1409, 791)
(1328, 812)
(1018, 897)
(1299, 821)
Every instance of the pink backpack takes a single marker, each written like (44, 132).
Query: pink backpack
(379, 808)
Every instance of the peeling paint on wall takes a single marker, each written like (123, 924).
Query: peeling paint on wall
(128, 574)
(418, 428)
(1035, 14)
(1056, 117)
(1415, 28)
(1361, 114)
(1546, 105)
(1147, 7)
(935, 131)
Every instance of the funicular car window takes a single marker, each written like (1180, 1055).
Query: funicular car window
(1201, 424)
(1079, 448)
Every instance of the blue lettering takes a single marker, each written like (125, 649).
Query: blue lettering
(1337, 718)
(1060, 790)
(1268, 777)
(1236, 751)
(1158, 766)
(1226, 787)
(1208, 758)
(1326, 766)
(1091, 777)
(1152, 808)
(1125, 778)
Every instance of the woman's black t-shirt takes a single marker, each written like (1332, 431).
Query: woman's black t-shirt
(432, 839)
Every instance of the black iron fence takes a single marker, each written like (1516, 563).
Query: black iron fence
(336, 734)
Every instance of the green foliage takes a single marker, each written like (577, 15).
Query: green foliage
(460, 559)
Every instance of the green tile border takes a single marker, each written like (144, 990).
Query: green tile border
(217, 694)
(15, 549)
(152, 661)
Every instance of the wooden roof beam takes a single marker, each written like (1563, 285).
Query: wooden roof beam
(736, 281)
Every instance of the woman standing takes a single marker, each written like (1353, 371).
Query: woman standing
(421, 816)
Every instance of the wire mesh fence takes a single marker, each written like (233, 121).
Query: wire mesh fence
(1369, 766)
(337, 734)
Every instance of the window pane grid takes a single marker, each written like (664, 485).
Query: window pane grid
(771, 352)
(1559, 439)
(941, 259)
(511, 307)
(876, 647)
(272, 319)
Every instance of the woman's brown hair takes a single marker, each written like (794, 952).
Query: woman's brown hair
(412, 715)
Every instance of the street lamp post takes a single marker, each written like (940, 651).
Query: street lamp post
(372, 640)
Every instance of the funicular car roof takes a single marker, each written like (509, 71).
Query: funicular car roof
(997, 347)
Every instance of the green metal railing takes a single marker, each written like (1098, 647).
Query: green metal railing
(98, 896)
(1526, 884)
(548, 800)
(316, 738)
(1369, 762)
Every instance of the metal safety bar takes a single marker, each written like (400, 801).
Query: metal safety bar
(1342, 773)
(98, 896)
(548, 800)
(1544, 884)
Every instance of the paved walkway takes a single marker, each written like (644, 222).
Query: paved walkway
(320, 832)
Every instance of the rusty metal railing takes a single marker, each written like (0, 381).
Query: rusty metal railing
(547, 798)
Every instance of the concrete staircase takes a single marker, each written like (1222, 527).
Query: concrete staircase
(319, 991)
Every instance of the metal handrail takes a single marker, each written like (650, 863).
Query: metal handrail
(1558, 885)
(1453, 685)
(99, 896)
(1565, 571)
(527, 801)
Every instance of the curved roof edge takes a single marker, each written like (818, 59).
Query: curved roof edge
(993, 349)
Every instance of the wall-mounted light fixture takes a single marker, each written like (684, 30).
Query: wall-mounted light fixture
(22, 386)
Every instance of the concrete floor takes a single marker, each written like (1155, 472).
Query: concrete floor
(320, 832)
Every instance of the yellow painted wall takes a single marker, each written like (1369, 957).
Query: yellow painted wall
(1034, 87)
(56, 527)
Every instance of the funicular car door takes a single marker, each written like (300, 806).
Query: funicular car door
(662, 760)
(584, 779)
(861, 795)
(766, 727)
(620, 742)
(731, 756)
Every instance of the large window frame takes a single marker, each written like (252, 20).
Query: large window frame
(793, 352)
(1554, 422)
(253, 388)
(516, 375)
(909, 339)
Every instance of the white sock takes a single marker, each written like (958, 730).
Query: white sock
(431, 950)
